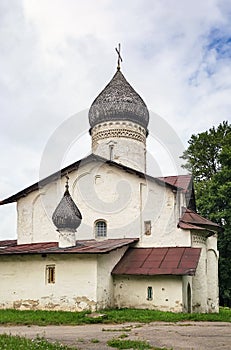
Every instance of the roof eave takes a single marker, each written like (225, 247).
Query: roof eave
(186, 273)
(200, 228)
(52, 250)
(74, 166)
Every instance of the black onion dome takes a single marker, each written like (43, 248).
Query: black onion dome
(67, 215)
(118, 101)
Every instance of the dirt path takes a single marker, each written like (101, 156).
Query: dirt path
(179, 336)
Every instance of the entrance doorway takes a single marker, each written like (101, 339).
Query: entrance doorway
(189, 299)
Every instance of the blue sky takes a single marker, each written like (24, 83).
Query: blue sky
(56, 56)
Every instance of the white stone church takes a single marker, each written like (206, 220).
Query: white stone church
(118, 238)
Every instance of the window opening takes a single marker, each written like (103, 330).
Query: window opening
(111, 152)
(50, 274)
(101, 228)
(149, 293)
(97, 179)
(147, 227)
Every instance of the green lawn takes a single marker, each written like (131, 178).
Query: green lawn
(131, 344)
(38, 317)
(9, 342)
(16, 317)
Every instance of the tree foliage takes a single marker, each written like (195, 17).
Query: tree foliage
(208, 158)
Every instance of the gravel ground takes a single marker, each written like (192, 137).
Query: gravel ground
(176, 336)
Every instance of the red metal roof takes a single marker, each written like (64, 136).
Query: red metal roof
(82, 247)
(186, 226)
(8, 243)
(193, 221)
(158, 261)
(182, 181)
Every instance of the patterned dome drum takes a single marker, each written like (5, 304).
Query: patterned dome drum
(118, 101)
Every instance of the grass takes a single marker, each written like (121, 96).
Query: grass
(9, 342)
(123, 329)
(146, 316)
(131, 344)
(123, 335)
(128, 344)
(42, 318)
(95, 341)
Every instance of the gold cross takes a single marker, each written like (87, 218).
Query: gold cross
(119, 57)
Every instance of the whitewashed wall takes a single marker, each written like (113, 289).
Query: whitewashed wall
(105, 287)
(82, 282)
(127, 139)
(24, 286)
(131, 292)
(101, 191)
(199, 281)
(212, 274)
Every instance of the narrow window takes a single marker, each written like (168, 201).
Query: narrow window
(147, 227)
(50, 274)
(149, 293)
(97, 179)
(111, 152)
(100, 228)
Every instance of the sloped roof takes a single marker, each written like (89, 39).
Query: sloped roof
(8, 243)
(74, 166)
(82, 247)
(182, 181)
(190, 220)
(158, 261)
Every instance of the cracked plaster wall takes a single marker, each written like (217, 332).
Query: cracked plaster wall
(101, 191)
(131, 292)
(24, 285)
(205, 282)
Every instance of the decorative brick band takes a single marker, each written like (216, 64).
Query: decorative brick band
(118, 133)
(198, 239)
(117, 130)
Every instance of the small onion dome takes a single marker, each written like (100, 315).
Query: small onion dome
(118, 101)
(67, 215)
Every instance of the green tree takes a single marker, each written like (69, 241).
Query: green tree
(208, 158)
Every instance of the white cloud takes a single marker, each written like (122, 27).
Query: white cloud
(56, 56)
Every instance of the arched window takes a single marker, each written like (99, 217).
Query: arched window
(100, 228)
